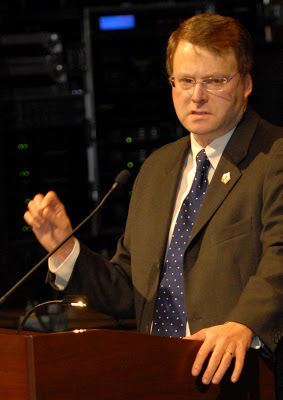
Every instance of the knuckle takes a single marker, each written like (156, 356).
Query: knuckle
(27, 217)
(38, 197)
(52, 196)
(30, 204)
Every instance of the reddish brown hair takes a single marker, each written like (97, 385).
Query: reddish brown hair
(217, 33)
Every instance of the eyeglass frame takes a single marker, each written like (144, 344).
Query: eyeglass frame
(203, 83)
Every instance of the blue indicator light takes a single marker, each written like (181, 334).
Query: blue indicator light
(116, 22)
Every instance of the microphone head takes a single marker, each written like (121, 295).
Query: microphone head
(123, 177)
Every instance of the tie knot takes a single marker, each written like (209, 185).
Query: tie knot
(202, 161)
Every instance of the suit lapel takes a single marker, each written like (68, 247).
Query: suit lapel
(216, 193)
(235, 151)
(165, 201)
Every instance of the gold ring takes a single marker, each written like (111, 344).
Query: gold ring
(229, 352)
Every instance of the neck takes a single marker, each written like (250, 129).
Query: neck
(203, 140)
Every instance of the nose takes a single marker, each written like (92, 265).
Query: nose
(199, 93)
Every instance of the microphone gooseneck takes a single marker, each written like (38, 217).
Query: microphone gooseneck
(121, 179)
(70, 300)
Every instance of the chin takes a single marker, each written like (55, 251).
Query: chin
(199, 127)
(199, 130)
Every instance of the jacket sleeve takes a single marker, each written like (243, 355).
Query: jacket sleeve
(261, 303)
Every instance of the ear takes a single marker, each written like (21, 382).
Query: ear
(248, 85)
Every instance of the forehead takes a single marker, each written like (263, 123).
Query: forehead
(193, 59)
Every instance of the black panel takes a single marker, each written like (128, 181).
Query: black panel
(43, 132)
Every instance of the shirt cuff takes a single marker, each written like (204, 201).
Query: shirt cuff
(64, 271)
(256, 343)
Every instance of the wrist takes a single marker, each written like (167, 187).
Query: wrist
(63, 252)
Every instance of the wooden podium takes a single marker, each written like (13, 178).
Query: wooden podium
(120, 365)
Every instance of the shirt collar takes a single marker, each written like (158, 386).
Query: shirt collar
(214, 150)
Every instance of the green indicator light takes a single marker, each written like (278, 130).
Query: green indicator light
(26, 228)
(129, 139)
(23, 146)
(130, 164)
(27, 201)
(24, 173)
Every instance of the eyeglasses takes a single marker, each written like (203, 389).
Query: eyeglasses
(211, 83)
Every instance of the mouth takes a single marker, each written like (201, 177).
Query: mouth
(199, 113)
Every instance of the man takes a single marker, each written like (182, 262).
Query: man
(232, 260)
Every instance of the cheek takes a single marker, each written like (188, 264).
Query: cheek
(179, 100)
(175, 97)
(222, 98)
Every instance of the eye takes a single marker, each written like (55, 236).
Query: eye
(215, 81)
(187, 81)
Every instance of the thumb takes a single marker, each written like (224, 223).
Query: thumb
(52, 207)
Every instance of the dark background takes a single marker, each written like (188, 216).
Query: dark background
(79, 104)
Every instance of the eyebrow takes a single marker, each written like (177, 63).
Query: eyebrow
(213, 75)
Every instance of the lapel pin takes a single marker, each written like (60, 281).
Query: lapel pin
(226, 178)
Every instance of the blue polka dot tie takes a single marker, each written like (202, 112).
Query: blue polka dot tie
(170, 317)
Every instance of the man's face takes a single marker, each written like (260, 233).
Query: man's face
(208, 114)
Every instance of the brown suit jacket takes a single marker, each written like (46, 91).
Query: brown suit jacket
(234, 260)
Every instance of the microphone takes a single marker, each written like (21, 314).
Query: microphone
(121, 179)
